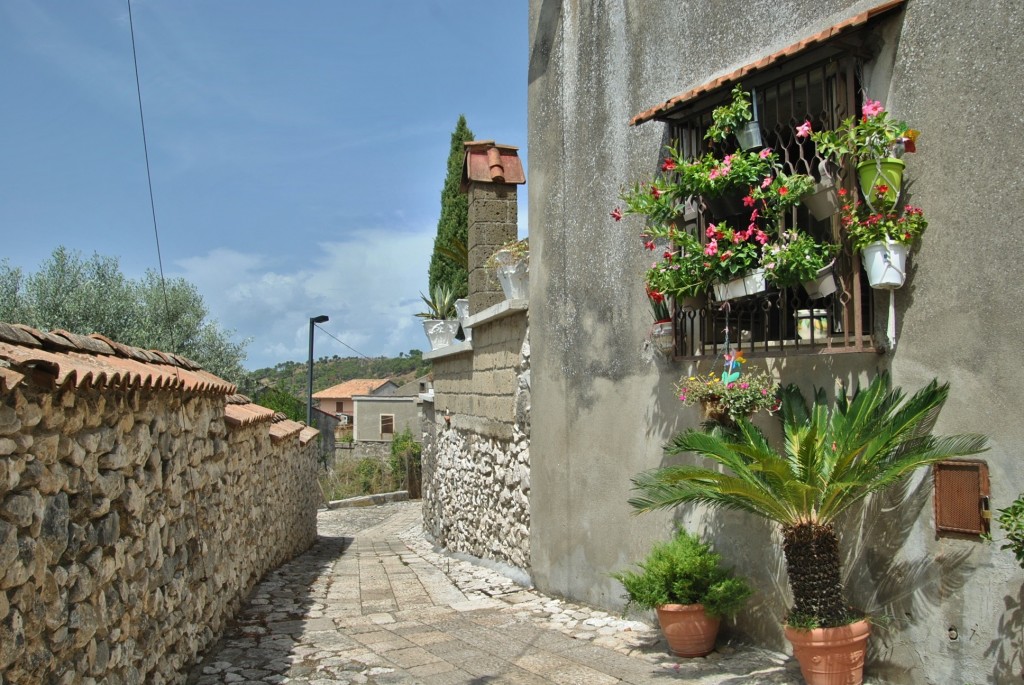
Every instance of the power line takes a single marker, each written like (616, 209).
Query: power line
(330, 335)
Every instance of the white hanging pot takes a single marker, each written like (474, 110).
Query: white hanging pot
(750, 283)
(749, 135)
(886, 264)
(515, 280)
(663, 337)
(822, 201)
(823, 284)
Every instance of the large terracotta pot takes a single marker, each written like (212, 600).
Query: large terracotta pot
(688, 629)
(831, 656)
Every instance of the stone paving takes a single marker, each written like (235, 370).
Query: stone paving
(371, 602)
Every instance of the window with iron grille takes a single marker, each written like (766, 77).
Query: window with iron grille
(786, 321)
(387, 424)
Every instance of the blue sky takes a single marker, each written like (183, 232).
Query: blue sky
(297, 149)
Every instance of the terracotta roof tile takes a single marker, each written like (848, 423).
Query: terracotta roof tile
(94, 361)
(488, 162)
(246, 414)
(285, 429)
(732, 77)
(307, 434)
(356, 386)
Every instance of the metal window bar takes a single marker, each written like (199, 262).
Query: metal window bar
(786, 322)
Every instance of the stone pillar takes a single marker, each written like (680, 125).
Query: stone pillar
(490, 175)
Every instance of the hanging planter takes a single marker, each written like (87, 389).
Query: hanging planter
(749, 284)
(823, 284)
(881, 171)
(886, 264)
(729, 203)
(749, 135)
(823, 200)
(663, 337)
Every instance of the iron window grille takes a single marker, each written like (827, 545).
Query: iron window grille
(782, 322)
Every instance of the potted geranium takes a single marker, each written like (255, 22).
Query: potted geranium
(441, 322)
(685, 582)
(511, 264)
(797, 258)
(875, 143)
(833, 456)
(733, 260)
(732, 395)
(883, 238)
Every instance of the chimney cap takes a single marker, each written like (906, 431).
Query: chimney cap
(489, 162)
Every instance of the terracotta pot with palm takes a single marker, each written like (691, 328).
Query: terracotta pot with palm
(832, 458)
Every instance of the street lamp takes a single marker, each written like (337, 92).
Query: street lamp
(313, 320)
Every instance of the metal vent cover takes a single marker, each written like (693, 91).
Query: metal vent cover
(961, 497)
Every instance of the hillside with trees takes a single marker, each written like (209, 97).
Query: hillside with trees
(291, 378)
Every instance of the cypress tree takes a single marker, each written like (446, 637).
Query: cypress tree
(453, 226)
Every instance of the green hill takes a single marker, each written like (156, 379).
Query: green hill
(290, 377)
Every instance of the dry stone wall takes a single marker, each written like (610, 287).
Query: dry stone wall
(135, 518)
(476, 458)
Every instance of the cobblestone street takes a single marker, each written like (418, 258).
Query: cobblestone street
(371, 602)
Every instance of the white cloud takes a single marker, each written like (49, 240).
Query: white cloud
(368, 284)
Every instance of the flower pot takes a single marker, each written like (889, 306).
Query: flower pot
(688, 630)
(663, 337)
(886, 170)
(812, 322)
(749, 284)
(823, 200)
(823, 284)
(886, 264)
(515, 280)
(440, 332)
(729, 203)
(716, 412)
(831, 656)
(462, 311)
(749, 136)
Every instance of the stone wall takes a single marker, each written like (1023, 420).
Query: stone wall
(476, 458)
(139, 504)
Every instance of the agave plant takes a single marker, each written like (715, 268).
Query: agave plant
(832, 459)
(441, 305)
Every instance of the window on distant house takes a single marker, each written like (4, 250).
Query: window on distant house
(387, 424)
(340, 408)
(787, 321)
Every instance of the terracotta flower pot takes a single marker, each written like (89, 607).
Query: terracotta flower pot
(831, 656)
(688, 629)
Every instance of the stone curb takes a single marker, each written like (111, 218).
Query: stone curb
(369, 500)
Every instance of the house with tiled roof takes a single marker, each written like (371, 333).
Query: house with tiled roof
(379, 417)
(337, 399)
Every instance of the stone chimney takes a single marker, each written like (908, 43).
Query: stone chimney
(490, 175)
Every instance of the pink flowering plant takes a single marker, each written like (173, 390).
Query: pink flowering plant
(874, 135)
(730, 253)
(777, 194)
(737, 398)
(795, 258)
(864, 227)
(681, 271)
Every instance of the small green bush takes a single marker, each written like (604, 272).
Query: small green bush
(684, 570)
(1011, 520)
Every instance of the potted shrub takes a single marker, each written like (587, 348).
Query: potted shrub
(884, 239)
(440, 323)
(797, 258)
(511, 264)
(732, 395)
(832, 457)
(684, 581)
(662, 335)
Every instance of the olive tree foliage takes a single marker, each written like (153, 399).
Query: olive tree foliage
(453, 225)
(92, 296)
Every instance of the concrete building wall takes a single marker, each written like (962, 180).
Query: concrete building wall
(603, 409)
(368, 411)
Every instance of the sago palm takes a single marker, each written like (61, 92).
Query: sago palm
(831, 460)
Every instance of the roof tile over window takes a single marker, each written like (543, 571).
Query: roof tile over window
(787, 52)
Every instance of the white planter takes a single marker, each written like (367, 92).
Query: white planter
(749, 135)
(462, 311)
(750, 284)
(823, 200)
(440, 332)
(515, 280)
(886, 264)
(808, 320)
(823, 285)
(663, 337)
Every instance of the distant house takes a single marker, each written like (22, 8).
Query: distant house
(379, 417)
(337, 399)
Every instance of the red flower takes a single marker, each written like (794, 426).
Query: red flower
(649, 245)
(655, 295)
(882, 189)
(668, 164)
(748, 201)
(842, 192)
(655, 192)
(666, 254)
(617, 214)
(783, 190)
